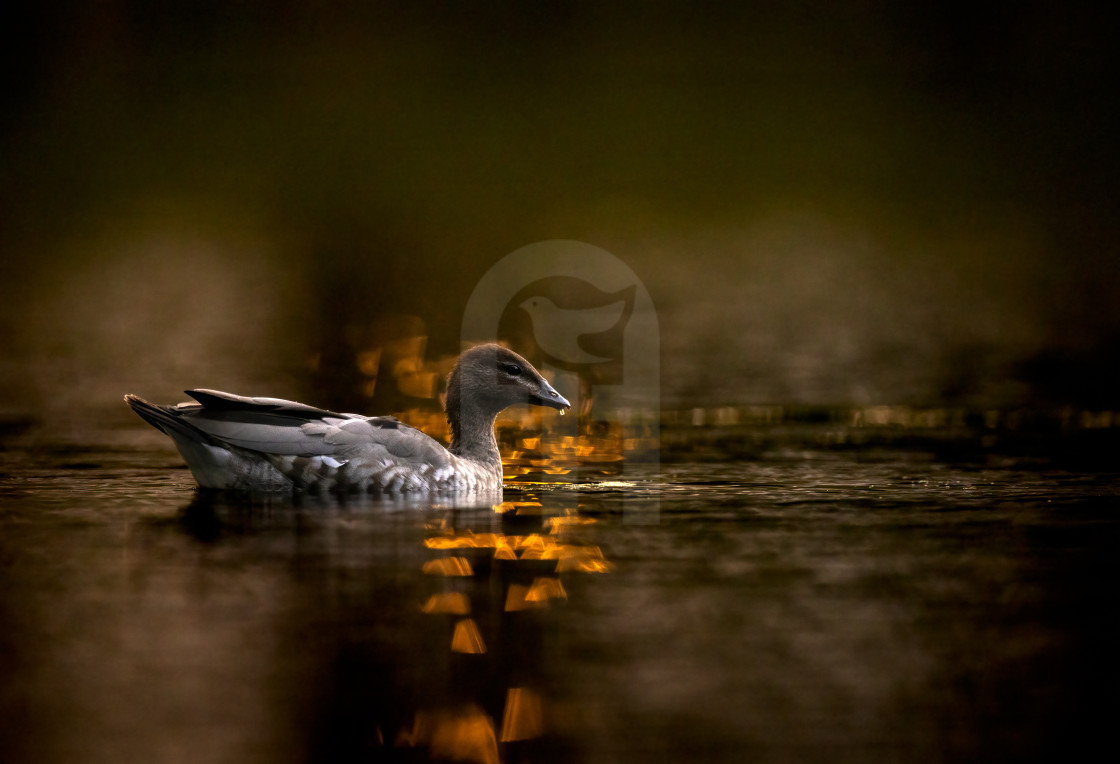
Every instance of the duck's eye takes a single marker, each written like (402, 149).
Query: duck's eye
(511, 369)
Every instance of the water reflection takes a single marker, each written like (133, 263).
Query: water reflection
(500, 580)
(437, 627)
(792, 610)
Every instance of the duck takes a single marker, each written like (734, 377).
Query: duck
(233, 442)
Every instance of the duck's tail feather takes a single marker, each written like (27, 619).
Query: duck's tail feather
(168, 420)
(213, 463)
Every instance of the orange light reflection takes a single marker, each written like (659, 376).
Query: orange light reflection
(467, 638)
(448, 566)
(454, 603)
(466, 734)
(524, 717)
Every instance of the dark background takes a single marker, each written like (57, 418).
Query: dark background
(901, 212)
(831, 204)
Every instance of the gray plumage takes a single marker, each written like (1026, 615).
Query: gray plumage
(267, 444)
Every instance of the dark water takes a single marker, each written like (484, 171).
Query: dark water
(817, 609)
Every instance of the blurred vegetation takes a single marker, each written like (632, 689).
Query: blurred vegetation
(859, 204)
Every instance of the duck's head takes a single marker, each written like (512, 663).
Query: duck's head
(492, 378)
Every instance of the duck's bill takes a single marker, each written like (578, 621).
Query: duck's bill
(547, 396)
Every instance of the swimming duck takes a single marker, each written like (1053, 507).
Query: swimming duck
(269, 444)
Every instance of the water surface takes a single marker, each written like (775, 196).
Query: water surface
(821, 608)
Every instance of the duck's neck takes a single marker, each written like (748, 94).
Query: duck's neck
(472, 432)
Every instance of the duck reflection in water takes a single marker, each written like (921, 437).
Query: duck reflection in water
(438, 630)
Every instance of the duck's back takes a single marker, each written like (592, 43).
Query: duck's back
(234, 442)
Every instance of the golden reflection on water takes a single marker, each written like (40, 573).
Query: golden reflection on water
(583, 557)
(497, 582)
(464, 734)
(467, 638)
(537, 594)
(447, 602)
(524, 717)
(448, 566)
(497, 589)
(519, 507)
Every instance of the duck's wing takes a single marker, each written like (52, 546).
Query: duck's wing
(216, 400)
(278, 426)
(282, 427)
(267, 425)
